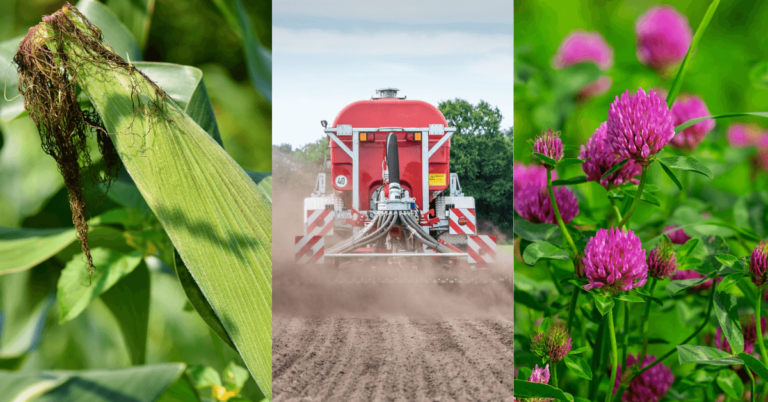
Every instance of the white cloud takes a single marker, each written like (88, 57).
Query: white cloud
(496, 67)
(402, 11)
(421, 43)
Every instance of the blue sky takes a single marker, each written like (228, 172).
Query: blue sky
(328, 54)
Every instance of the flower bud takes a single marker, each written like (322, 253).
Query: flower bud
(549, 144)
(553, 344)
(758, 264)
(662, 262)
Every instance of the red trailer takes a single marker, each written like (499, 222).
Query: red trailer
(393, 195)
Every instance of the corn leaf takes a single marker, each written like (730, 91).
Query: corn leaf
(22, 249)
(199, 302)
(11, 104)
(135, 384)
(128, 300)
(114, 32)
(184, 84)
(77, 289)
(136, 15)
(257, 57)
(29, 334)
(215, 215)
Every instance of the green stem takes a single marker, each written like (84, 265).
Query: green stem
(559, 217)
(688, 339)
(625, 335)
(554, 278)
(572, 308)
(759, 324)
(752, 396)
(597, 354)
(614, 355)
(644, 324)
(643, 176)
(553, 376)
(615, 209)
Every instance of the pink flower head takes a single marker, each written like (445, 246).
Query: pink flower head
(614, 260)
(553, 344)
(549, 144)
(758, 264)
(540, 375)
(742, 135)
(650, 386)
(579, 47)
(602, 159)
(748, 330)
(639, 125)
(663, 37)
(677, 236)
(662, 262)
(691, 274)
(534, 174)
(685, 108)
(583, 47)
(597, 88)
(532, 202)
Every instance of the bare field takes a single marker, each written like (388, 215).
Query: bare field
(411, 341)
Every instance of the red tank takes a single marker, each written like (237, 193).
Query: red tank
(389, 113)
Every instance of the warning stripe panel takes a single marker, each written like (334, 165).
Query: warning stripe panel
(481, 249)
(462, 215)
(310, 250)
(320, 222)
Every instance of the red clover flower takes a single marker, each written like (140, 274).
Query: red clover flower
(639, 125)
(650, 386)
(685, 108)
(532, 202)
(553, 344)
(549, 144)
(602, 159)
(614, 261)
(663, 37)
(758, 264)
(662, 262)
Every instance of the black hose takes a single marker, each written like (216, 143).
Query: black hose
(393, 162)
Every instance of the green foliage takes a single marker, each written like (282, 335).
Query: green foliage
(481, 154)
(125, 315)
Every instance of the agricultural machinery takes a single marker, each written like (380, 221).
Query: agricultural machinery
(392, 194)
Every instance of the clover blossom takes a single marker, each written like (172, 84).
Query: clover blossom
(602, 159)
(758, 264)
(639, 125)
(662, 262)
(685, 108)
(532, 202)
(677, 236)
(549, 144)
(585, 47)
(650, 386)
(663, 37)
(523, 174)
(614, 261)
(553, 344)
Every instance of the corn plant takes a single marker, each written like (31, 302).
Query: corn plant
(182, 204)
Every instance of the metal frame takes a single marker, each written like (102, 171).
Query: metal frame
(352, 255)
(426, 153)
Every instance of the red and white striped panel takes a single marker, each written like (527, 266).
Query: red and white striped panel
(481, 249)
(310, 249)
(320, 222)
(462, 221)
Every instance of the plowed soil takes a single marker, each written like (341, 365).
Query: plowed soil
(416, 341)
(386, 342)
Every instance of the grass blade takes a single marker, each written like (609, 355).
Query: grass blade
(719, 116)
(678, 82)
